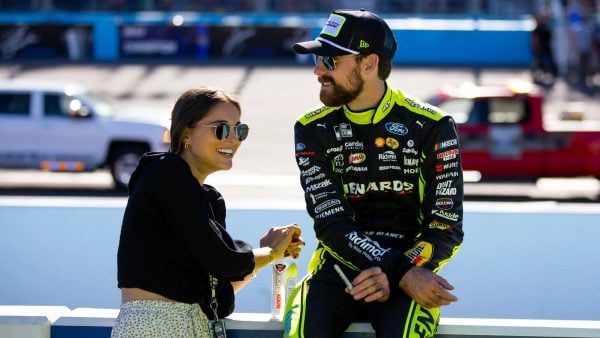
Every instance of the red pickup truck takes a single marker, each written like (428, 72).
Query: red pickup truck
(505, 134)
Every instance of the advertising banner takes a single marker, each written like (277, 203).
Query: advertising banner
(45, 41)
(203, 42)
(158, 41)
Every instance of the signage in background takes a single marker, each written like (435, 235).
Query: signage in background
(255, 41)
(158, 41)
(45, 41)
(204, 42)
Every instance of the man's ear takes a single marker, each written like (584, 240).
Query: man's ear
(370, 62)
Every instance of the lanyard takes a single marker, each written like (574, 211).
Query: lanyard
(213, 289)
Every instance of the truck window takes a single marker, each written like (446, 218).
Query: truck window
(459, 109)
(62, 105)
(507, 110)
(56, 105)
(14, 104)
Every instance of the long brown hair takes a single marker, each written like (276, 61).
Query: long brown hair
(191, 107)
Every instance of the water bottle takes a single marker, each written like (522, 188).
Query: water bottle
(285, 273)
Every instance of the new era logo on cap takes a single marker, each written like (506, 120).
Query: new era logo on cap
(351, 32)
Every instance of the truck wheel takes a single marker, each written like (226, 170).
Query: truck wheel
(123, 163)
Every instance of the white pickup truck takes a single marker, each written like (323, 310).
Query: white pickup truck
(60, 127)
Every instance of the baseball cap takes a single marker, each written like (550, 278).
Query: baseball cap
(351, 32)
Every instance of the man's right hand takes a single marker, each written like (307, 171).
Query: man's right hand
(427, 288)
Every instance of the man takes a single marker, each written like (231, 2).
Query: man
(383, 183)
(544, 69)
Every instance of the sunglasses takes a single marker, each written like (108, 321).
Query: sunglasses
(223, 129)
(329, 61)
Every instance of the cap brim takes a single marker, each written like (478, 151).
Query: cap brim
(316, 47)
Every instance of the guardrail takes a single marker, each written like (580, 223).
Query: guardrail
(61, 322)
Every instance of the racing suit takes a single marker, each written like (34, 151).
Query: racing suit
(384, 188)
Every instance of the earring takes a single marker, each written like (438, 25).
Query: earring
(187, 146)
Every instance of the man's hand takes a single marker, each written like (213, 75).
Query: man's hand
(371, 285)
(427, 288)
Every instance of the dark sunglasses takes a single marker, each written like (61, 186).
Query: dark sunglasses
(223, 129)
(329, 61)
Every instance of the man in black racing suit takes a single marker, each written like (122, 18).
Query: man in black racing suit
(383, 183)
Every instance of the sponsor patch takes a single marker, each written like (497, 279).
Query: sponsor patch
(420, 253)
(444, 203)
(357, 158)
(392, 143)
(388, 156)
(440, 226)
(451, 216)
(326, 205)
(448, 155)
(396, 128)
(445, 144)
(342, 130)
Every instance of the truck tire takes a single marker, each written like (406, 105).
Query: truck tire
(122, 164)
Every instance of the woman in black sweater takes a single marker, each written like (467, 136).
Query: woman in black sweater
(177, 265)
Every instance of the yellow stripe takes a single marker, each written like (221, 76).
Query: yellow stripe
(421, 322)
(419, 107)
(340, 258)
(409, 317)
(443, 262)
(295, 311)
(315, 114)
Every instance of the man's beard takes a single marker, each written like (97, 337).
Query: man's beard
(340, 95)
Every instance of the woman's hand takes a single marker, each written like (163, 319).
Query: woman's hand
(283, 241)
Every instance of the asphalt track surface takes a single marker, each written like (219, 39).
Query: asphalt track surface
(273, 95)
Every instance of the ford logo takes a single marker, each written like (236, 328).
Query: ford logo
(396, 128)
(300, 146)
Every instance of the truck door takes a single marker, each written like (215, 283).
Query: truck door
(18, 146)
(72, 138)
(494, 136)
(515, 150)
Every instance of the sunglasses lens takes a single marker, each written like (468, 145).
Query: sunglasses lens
(326, 60)
(222, 131)
(242, 131)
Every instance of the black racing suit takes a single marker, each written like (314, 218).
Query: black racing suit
(384, 188)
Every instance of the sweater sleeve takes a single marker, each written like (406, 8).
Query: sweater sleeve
(191, 217)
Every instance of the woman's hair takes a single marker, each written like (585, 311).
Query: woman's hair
(191, 107)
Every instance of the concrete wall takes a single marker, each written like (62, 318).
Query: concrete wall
(518, 260)
(41, 322)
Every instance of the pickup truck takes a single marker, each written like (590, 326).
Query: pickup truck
(61, 127)
(504, 134)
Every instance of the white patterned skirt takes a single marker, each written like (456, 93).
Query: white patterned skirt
(155, 318)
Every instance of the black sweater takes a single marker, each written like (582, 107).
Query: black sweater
(173, 234)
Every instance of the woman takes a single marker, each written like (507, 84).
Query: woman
(173, 240)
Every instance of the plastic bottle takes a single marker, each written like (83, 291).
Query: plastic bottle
(285, 273)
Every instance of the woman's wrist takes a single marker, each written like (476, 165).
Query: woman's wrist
(262, 257)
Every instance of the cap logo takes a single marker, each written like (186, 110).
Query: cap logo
(334, 25)
(364, 44)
